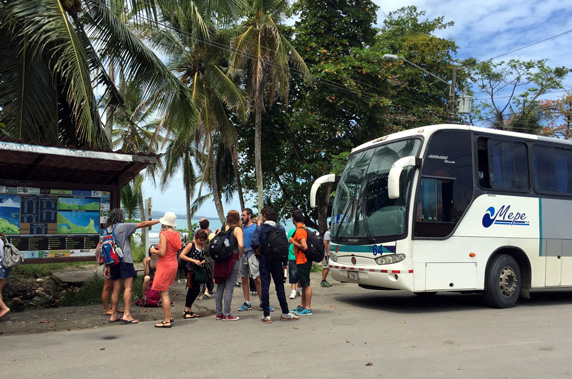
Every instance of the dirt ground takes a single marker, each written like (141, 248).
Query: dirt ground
(39, 320)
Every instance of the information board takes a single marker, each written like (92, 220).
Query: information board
(53, 223)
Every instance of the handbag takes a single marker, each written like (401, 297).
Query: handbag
(200, 274)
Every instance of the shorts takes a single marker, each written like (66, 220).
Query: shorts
(249, 265)
(293, 272)
(304, 274)
(4, 272)
(326, 261)
(122, 271)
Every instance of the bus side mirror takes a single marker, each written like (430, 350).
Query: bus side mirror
(395, 173)
(330, 178)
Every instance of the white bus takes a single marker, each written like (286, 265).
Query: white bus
(454, 208)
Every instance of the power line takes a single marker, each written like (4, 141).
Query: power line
(532, 44)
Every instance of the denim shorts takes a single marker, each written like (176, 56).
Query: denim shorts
(293, 272)
(4, 273)
(122, 271)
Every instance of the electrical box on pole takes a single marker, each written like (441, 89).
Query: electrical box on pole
(464, 104)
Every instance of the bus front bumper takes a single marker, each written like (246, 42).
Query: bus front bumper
(384, 277)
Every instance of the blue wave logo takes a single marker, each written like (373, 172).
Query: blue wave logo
(504, 217)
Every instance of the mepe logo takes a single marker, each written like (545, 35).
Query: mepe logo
(504, 217)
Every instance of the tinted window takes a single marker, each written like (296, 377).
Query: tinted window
(446, 185)
(552, 169)
(503, 165)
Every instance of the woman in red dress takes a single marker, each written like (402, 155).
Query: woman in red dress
(169, 245)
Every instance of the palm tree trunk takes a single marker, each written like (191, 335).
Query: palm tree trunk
(237, 177)
(186, 167)
(213, 180)
(258, 109)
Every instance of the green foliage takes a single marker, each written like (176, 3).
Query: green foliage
(506, 108)
(90, 293)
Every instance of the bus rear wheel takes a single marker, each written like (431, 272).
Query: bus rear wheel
(502, 282)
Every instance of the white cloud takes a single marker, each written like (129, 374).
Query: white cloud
(9, 203)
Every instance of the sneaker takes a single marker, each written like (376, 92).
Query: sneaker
(207, 294)
(304, 312)
(238, 284)
(297, 309)
(230, 318)
(200, 297)
(219, 316)
(245, 307)
(293, 294)
(266, 319)
(325, 283)
(288, 316)
(269, 307)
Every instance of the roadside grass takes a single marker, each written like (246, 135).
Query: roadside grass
(45, 269)
(316, 267)
(90, 292)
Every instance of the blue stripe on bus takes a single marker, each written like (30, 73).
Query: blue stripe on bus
(362, 248)
(539, 227)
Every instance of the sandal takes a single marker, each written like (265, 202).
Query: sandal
(193, 314)
(187, 315)
(163, 324)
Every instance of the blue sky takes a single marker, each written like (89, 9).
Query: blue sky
(483, 29)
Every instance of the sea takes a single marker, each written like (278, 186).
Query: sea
(182, 224)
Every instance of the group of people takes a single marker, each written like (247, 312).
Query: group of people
(247, 240)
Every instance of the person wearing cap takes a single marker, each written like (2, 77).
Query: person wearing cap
(167, 265)
(124, 272)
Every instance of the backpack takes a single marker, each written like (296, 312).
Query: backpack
(316, 249)
(12, 256)
(181, 262)
(151, 297)
(276, 244)
(220, 247)
(110, 253)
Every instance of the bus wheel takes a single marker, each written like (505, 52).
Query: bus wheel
(502, 282)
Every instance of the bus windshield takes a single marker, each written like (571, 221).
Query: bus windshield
(362, 208)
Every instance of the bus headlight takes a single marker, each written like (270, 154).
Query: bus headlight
(389, 259)
(333, 257)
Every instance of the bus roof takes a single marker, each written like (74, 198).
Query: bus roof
(426, 131)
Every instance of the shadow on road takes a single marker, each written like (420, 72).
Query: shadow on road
(408, 303)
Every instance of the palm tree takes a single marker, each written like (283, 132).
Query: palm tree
(200, 63)
(268, 54)
(130, 199)
(51, 53)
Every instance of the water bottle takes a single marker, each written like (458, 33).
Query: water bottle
(226, 242)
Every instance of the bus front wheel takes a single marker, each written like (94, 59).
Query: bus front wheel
(502, 282)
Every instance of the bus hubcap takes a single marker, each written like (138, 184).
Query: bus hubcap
(508, 281)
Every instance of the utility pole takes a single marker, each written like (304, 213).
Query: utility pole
(452, 113)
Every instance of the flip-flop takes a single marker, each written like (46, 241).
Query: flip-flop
(163, 324)
(193, 314)
(129, 322)
(113, 321)
(5, 314)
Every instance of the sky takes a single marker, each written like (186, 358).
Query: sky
(483, 29)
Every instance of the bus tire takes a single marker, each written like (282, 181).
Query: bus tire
(502, 282)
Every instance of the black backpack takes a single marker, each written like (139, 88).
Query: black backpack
(276, 244)
(316, 249)
(222, 245)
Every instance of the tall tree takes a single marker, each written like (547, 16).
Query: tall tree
(512, 91)
(267, 54)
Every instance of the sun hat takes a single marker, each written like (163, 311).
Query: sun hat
(169, 219)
